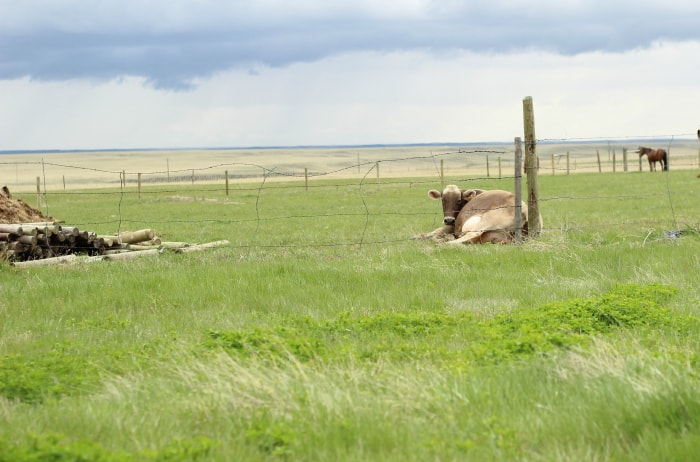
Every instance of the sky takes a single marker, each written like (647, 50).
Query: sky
(138, 74)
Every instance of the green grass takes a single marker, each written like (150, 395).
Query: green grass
(323, 332)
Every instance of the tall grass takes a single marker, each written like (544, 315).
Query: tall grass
(324, 332)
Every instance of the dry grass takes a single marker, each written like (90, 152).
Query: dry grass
(75, 170)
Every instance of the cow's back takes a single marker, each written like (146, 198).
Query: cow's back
(492, 210)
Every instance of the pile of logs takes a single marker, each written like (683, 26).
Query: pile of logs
(52, 242)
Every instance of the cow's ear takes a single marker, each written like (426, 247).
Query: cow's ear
(434, 194)
(468, 194)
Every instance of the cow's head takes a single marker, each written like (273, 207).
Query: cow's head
(453, 199)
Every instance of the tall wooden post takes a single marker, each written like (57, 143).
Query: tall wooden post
(518, 190)
(531, 166)
(226, 176)
(624, 159)
(139, 184)
(568, 163)
(499, 168)
(38, 192)
(488, 173)
(306, 178)
(442, 172)
(614, 161)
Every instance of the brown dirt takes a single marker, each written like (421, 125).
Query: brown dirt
(17, 211)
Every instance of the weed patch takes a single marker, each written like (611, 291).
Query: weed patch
(57, 373)
(564, 324)
(57, 448)
(458, 337)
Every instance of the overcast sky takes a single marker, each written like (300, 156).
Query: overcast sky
(83, 74)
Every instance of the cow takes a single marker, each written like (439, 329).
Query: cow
(477, 216)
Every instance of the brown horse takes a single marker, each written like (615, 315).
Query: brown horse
(654, 156)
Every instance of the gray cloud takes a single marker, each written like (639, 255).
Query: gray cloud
(173, 43)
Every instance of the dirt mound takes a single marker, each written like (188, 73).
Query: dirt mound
(17, 211)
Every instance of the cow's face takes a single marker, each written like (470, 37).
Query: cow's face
(453, 199)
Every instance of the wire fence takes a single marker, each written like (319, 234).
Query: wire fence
(353, 176)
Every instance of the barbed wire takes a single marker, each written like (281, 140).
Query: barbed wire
(367, 211)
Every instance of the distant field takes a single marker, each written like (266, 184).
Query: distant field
(99, 169)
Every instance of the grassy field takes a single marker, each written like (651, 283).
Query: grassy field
(324, 332)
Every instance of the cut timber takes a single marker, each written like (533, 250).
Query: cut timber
(11, 229)
(132, 237)
(138, 247)
(134, 254)
(175, 245)
(198, 247)
(65, 259)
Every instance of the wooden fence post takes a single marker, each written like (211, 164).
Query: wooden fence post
(138, 179)
(518, 190)
(38, 192)
(378, 180)
(531, 166)
(488, 173)
(552, 164)
(614, 161)
(226, 176)
(306, 178)
(624, 159)
(568, 163)
(499, 168)
(600, 168)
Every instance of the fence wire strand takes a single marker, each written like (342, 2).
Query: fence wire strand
(348, 183)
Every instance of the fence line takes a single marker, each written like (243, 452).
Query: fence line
(473, 166)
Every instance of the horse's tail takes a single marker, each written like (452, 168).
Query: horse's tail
(665, 160)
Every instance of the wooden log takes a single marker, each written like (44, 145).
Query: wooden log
(45, 228)
(62, 260)
(30, 240)
(107, 241)
(198, 247)
(12, 229)
(135, 254)
(8, 237)
(175, 245)
(116, 251)
(70, 230)
(132, 237)
(40, 224)
(137, 247)
(17, 247)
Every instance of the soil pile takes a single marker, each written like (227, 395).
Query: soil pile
(17, 211)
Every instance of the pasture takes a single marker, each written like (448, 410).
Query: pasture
(324, 332)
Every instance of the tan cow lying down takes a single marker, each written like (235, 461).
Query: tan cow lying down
(477, 216)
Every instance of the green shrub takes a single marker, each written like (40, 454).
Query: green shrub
(59, 372)
(57, 448)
